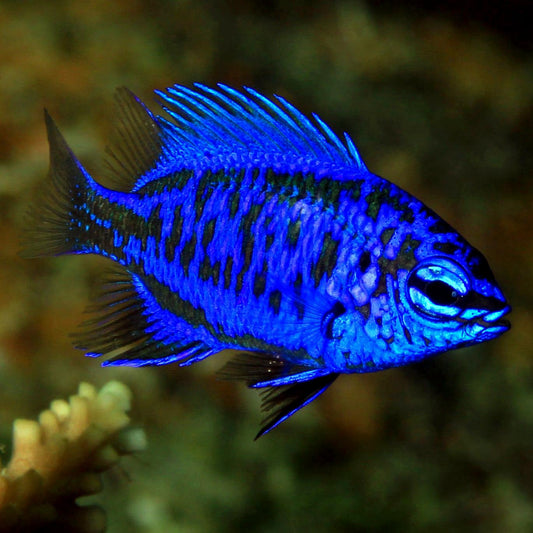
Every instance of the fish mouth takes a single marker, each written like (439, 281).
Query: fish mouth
(494, 321)
(489, 325)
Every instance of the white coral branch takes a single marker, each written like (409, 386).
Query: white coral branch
(59, 459)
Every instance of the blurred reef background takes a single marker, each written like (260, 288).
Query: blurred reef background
(439, 99)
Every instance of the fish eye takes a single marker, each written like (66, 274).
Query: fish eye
(436, 286)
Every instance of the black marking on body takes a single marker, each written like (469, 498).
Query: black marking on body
(260, 280)
(234, 204)
(173, 239)
(382, 194)
(247, 251)
(322, 189)
(381, 287)
(269, 241)
(171, 301)
(293, 232)
(187, 254)
(407, 214)
(334, 192)
(205, 268)
(327, 259)
(248, 242)
(386, 235)
(354, 188)
(154, 226)
(251, 217)
(255, 175)
(298, 282)
(375, 199)
(364, 310)
(267, 222)
(329, 190)
(364, 261)
(204, 190)
(405, 259)
(234, 181)
(440, 226)
(237, 177)
(406, 256)
(274, 301)
(228, 267)
(446, 247)
(300, 309)
(215, 274)
(208, 234)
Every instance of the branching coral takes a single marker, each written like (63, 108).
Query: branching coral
(59, 458)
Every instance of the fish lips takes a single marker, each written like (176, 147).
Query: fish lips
(495, 318)
(492, 322)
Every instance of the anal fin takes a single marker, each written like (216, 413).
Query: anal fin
(125, 330)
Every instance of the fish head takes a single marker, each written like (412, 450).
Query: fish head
(453, 300)
(406, 308)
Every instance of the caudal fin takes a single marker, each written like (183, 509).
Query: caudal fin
(54, 226)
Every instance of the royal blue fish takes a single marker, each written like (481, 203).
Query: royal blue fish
(239, 223)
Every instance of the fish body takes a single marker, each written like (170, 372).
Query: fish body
(239, 223)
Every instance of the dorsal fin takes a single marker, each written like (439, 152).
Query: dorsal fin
(136, 145)
(221, 128)
(224, 121)
(226, 128)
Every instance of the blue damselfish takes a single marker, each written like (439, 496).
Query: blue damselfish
(239, 223)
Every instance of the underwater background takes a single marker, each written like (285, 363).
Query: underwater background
(440, 101)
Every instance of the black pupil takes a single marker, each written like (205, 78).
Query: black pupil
(441, 293)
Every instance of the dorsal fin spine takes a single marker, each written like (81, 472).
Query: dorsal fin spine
(290, 120)
(330, 136)
(264, 117)
(300, 117)
(203, 105)
(353, 151)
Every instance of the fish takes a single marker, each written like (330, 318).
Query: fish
(236, 222)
